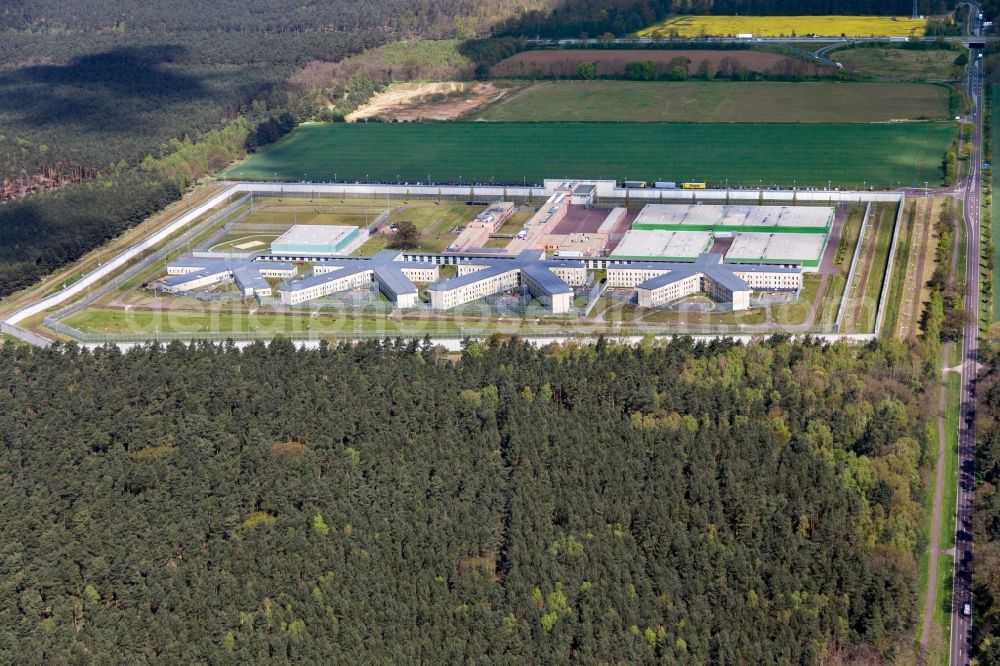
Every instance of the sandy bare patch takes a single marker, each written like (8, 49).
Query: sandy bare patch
(445, 100)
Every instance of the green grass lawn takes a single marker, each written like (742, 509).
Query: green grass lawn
(630, 314)
(309, 215)
(942, 609)
(514, 224)
(373, 246)
(148, 323)
(903, 248)
(962, 242)
(942, 595)
(951, 461)
(901, 64)
(437, 220)
(722, 101)
(229, 242)
(223, 322)
(883, 155)
(849, 237)
(831, 303)
(873, 290)
(996, 212)
(797, 312)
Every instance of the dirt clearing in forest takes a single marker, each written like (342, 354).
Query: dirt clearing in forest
(446, 100)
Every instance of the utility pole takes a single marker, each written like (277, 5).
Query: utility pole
(915, 9)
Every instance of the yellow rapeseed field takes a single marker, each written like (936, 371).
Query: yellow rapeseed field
(786, 26)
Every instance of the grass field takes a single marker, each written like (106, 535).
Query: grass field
(862, 303)
(786, 26)
(900, 64)
(229, 242)
(798, 312)
(883, 155)
(631, 314)
(996, 209)
(876, 276)
(901, 263)
(942, 610)
(308, 214)
(715, 102)
(950, 495)
(515, 222)
(437, 220)
(880, 264)
(434, 222)
(835, 285)
(610, 318)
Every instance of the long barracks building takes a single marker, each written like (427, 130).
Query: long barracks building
(396, 278)
(658, 283)
(190, 273)
(551, 282)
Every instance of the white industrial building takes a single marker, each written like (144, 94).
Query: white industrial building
(318, 240)
(776, 235)
(551, 282)
(742, 218)
(764, 248)
(658, 283)
(657, 245)
(396, 278)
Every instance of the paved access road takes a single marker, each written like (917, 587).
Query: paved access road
(971, 192)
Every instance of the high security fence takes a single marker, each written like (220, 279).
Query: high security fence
(24, 335)
(347, 329)
(138, 268)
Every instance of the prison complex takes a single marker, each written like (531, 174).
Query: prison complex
(669, 252)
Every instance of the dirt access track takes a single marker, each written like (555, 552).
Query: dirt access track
(445, 100)
(563, 62)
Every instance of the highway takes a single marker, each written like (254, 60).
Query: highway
(970, 190)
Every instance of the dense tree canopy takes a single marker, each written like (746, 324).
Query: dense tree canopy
(986, 525)
(380, 503)
(43, 232)
(94, 88)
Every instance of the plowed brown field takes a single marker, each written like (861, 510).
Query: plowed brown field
(610, 63)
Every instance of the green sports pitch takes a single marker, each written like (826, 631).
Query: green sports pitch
(846, 155)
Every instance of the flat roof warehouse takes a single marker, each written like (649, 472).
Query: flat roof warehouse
(319, 239)
(773, 219)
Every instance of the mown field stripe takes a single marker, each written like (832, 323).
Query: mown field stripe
(879, 155)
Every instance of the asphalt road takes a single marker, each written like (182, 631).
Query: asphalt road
(971, 191)
(644, 41)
